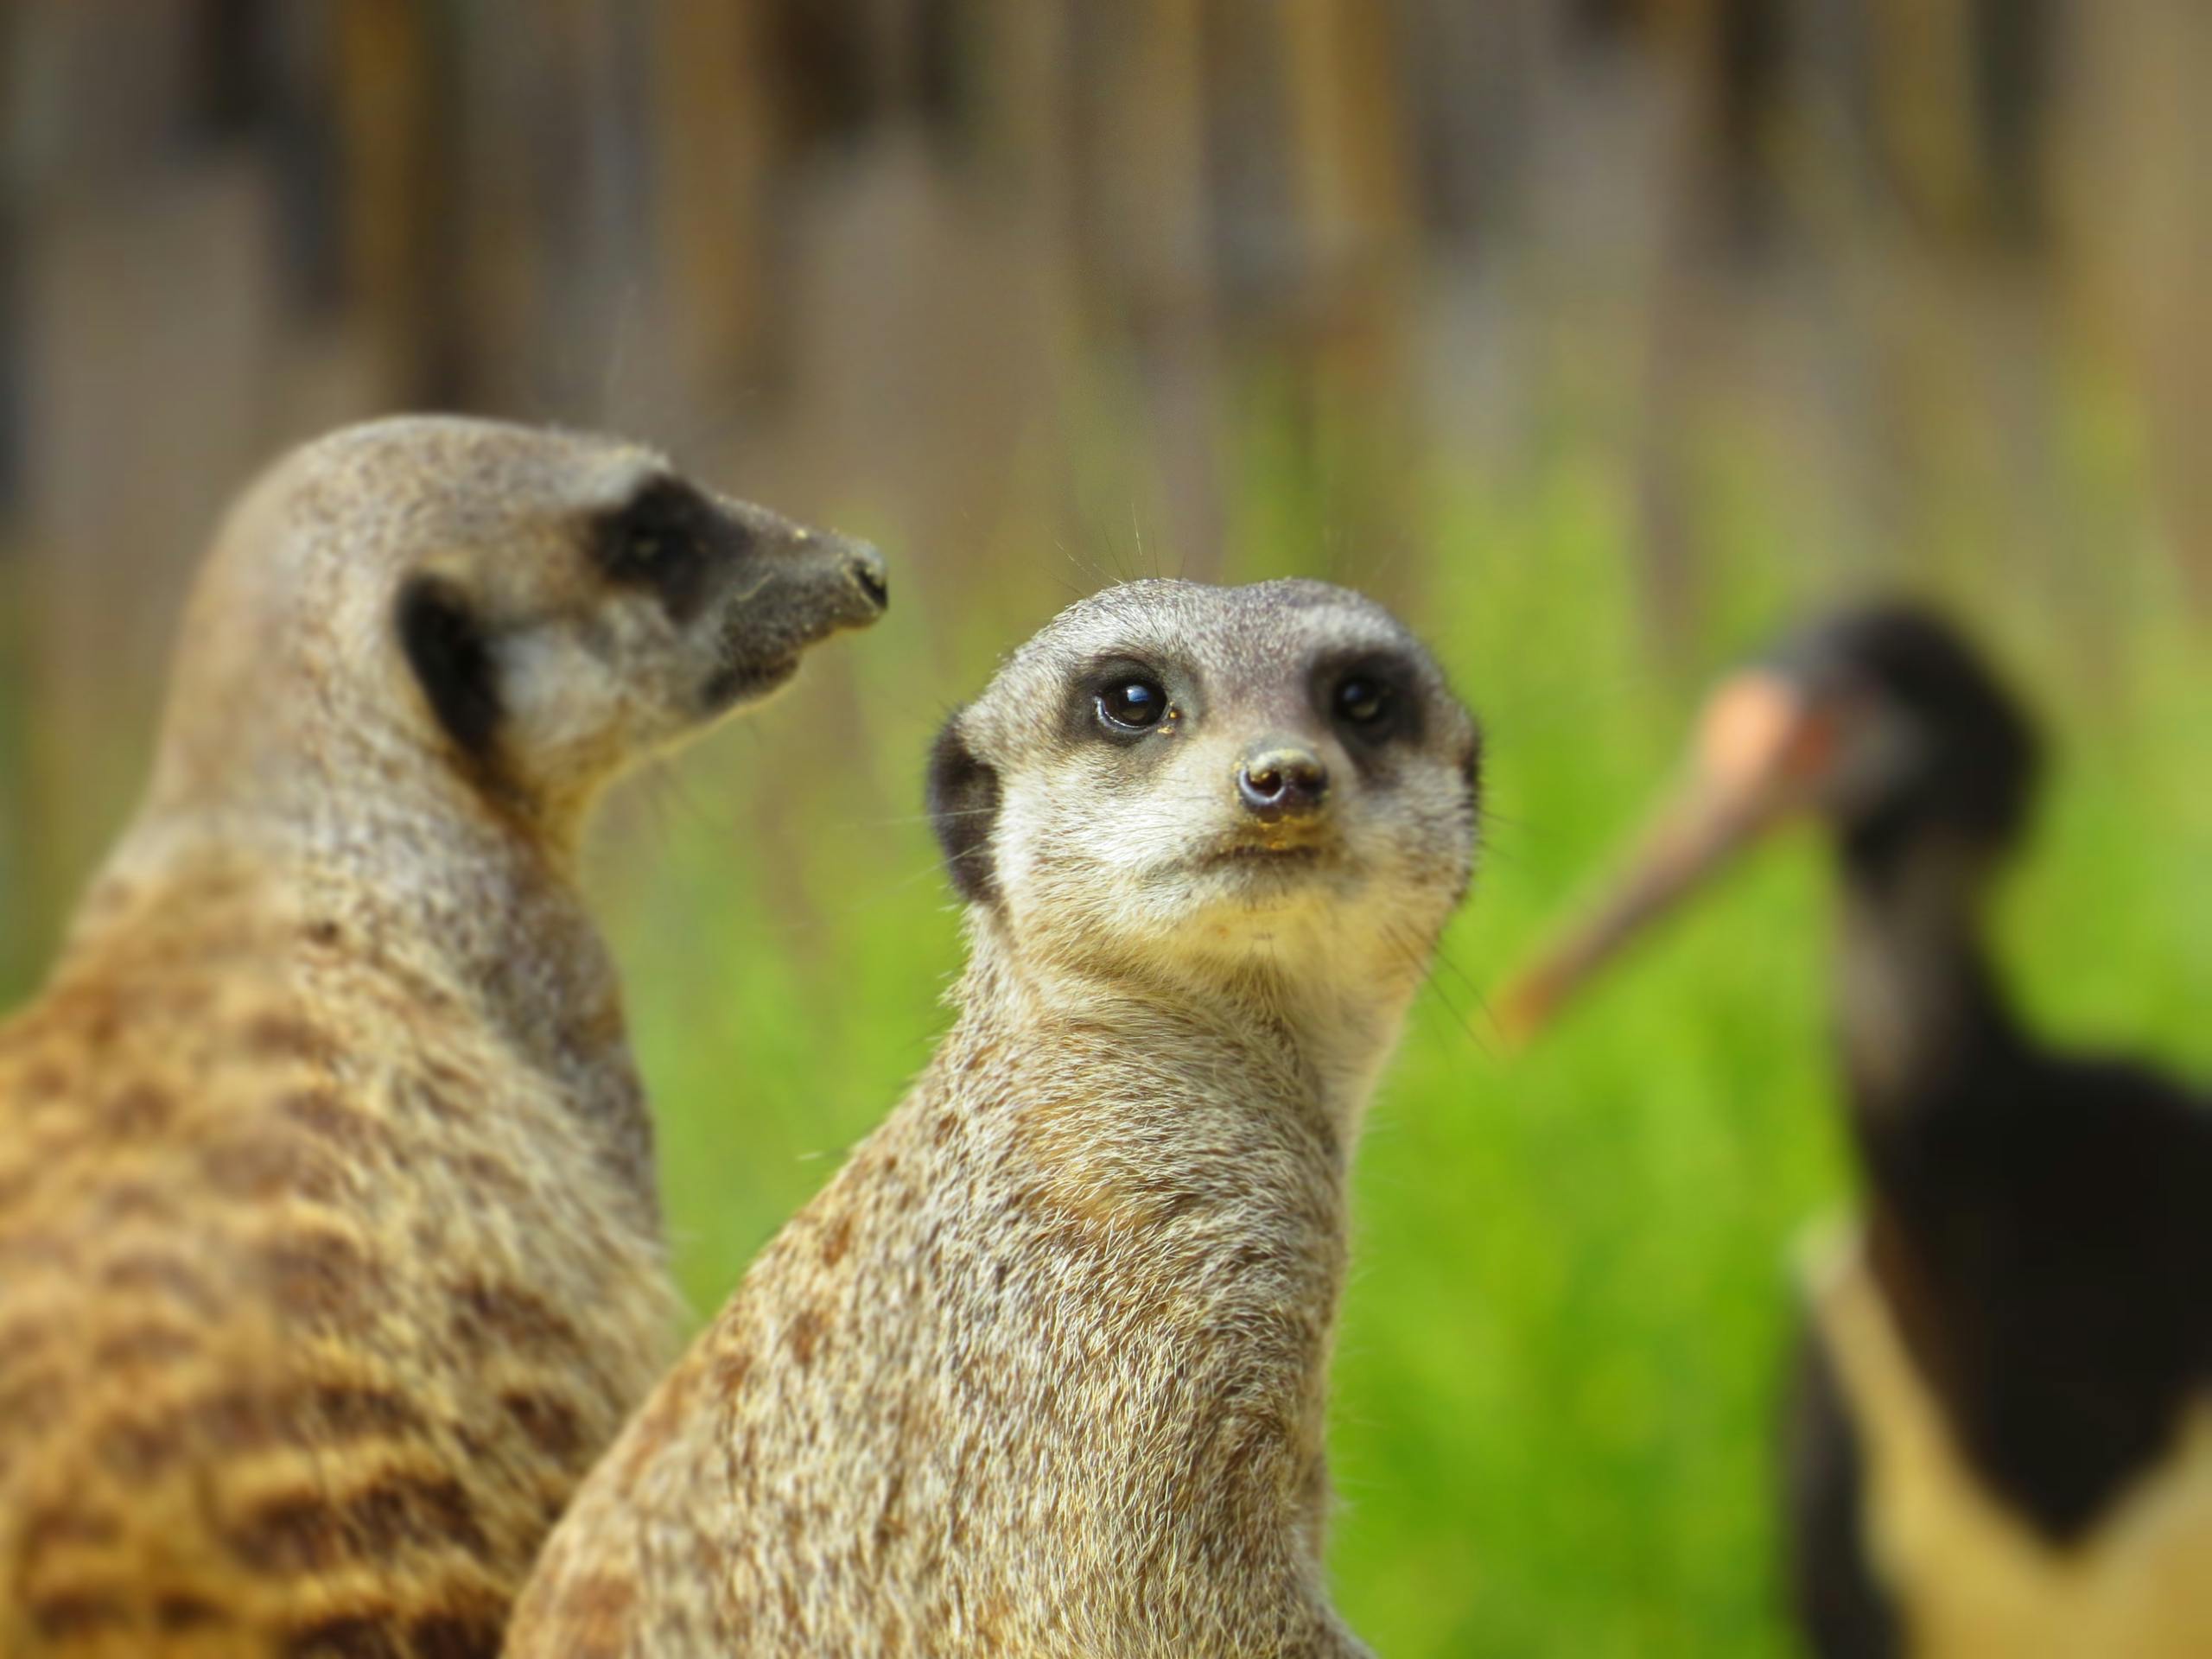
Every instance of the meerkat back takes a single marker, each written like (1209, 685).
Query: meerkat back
(329, 1255)
(1042, 1370)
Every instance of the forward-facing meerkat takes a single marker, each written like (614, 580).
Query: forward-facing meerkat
(1041, 1371)
(328, 1250)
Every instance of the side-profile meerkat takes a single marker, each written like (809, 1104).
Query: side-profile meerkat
(328, 1250)
(1041, 1372)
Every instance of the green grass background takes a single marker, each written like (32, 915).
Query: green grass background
(1561, 1345)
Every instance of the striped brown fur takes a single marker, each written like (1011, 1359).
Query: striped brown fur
(328, 1246)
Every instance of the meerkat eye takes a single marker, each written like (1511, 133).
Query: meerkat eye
(649, 543)
(1363, 700)
(669, 539)
(1132, 705)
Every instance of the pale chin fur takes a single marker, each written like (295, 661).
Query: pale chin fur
(1334, 951)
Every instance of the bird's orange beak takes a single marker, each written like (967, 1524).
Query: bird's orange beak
(1763, 750)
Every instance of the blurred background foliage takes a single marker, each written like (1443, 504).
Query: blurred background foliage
(1602, 336)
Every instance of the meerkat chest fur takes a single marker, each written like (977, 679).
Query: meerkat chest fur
(1043, 1370)
(326, 1289)
(1044, 1367)
(1092, 1290)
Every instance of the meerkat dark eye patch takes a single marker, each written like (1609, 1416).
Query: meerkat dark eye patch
(1126, 700)
(1371, 699)
(964, 806)
(670, 538)
(445, 647)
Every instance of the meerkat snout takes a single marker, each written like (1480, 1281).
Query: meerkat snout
(787, 587)
(734, 591)
(1281, 780)
(869, 573)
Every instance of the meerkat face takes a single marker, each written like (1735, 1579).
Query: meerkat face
(536, 608)
(603, 616)
(1225, 776)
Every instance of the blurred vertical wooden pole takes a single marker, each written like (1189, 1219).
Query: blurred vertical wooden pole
(1032, 106)
(15, 606)
(1172, 286)
(12, 391)
(1146, 247)
(2143, 231)
(1032, 137)
(1351, 185)
(1347, 149)
(1675, 343)
(394, 83)
(712, 109)
(1719, 59)
(1030, 140)
(2182, 324)
(1924, 106)
(894, 29)
(15, 648)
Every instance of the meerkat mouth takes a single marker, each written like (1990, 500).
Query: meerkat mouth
(1270, 861)
(1260, 853)
(746, 682)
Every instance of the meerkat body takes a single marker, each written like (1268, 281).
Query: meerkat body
(1042, 1370)
(328, 1247)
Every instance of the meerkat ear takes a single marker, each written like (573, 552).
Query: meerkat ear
(963, 802)
(445, 647)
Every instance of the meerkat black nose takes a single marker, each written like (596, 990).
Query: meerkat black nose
(870, 574)
(1281, 780)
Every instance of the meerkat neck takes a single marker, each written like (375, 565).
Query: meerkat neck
(1322, 1047)
(1157, 1150)
(446, 888)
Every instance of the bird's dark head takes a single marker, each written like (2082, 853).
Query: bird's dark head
(1887, 724)
(1882, 723)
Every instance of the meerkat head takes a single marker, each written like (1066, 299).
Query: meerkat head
(525, 610)
(1273, 779)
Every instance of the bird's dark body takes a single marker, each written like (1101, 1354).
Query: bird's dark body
(2038, 1228)
(2040, 1231)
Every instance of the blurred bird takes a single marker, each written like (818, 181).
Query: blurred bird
(2001, 1437)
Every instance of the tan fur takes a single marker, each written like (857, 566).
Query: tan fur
(328, 1252)
(1042, 1370)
